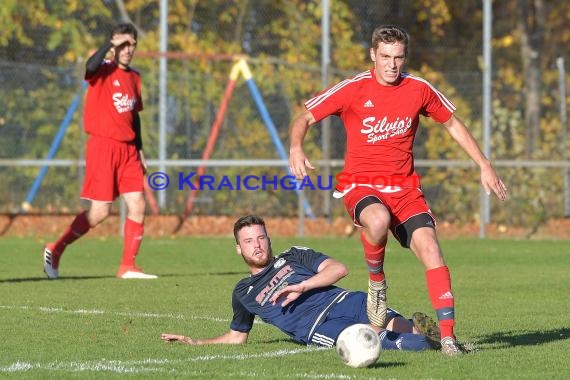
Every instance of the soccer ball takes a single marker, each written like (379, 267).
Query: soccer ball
(358, 346)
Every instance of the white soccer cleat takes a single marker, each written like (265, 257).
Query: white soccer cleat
(49, 270)
(133, 272)
(376, 307)
(449, 347)
(137, 275)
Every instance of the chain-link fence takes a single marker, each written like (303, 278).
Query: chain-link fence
(39, 99)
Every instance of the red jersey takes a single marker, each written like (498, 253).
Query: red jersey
(113, 97)
(381, 123)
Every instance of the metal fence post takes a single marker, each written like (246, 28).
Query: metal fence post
(564, 129)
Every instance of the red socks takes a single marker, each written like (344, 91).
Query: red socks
(438, 284)
(439, 289)
(374, 256)
(133, 234)
(79, 227)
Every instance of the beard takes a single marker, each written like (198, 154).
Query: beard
(261, 261)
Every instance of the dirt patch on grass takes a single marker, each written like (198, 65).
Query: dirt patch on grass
(165, 225)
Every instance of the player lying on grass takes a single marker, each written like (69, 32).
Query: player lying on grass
(294, 292)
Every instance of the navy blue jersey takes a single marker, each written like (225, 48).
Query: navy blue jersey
(299, 318)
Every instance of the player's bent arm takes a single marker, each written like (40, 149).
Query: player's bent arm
(489, 179)
(299, 129)
(231, 337)
(298, 162)
(328, 273)
(465, 139)
(95, 60)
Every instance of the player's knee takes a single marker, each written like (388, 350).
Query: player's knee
(139, 206)
(97, 216)
(425, 244)
(136, 215)
(136, 204)
(431, 257)
(431, 249)
(377, 226)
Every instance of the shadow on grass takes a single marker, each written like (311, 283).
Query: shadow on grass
(532, 338)
(37, 279)
(379, 364)
(64, 278)
(383, 364)
(281, 341)
(201, 274)
(243, 273)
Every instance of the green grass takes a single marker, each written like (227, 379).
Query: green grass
(511, 300)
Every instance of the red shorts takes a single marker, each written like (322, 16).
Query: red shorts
(111, 168)
(402, 204)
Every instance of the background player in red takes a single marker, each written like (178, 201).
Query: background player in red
(380, 109)
(115, 162)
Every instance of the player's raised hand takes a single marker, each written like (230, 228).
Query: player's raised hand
(177, 338)
(119, 39)
(492, 182)
(288, 294)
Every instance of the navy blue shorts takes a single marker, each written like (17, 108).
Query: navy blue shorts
(349, 311)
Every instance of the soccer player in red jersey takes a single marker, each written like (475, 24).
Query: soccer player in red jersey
(115, 162)
(380, 109)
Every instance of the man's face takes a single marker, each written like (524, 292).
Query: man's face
(389, 60)
(124, 53)
(255, 247)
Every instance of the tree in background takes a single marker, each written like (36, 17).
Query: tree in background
(43, 46)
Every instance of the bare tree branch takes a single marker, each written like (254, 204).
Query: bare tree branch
(126, 18)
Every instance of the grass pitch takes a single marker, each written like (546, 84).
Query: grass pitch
(511, 301)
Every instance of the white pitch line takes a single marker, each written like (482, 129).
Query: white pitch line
(93, 366)
(319, 376)
(116, 313)
(118, 366)
(146, 365)
(271, 354)
(290, 375)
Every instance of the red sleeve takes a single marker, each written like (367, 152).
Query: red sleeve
(332, 101)
(436, 105)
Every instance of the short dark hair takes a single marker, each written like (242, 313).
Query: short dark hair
(124, 28)
(390, 34)
(246, 221)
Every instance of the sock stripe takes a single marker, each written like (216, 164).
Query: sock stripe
(445, 313)
(375, 269)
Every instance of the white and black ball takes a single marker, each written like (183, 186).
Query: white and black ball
(358, 346)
